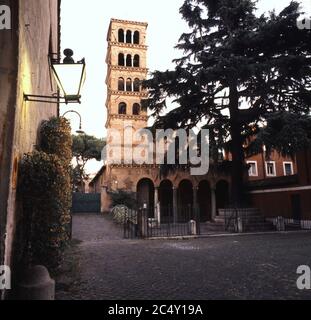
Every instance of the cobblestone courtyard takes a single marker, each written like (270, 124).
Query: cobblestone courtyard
(102, 265)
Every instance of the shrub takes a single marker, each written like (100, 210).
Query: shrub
(46, 193)
(124, 198)
(46, 199)
(121, 214)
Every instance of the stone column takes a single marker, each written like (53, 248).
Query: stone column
(157, 213)
(195, 205)
(105, 200)
(213, 203)
(175, 208)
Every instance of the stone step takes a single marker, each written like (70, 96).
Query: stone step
(293, 226)
(253, 219)
(250, 214)
(211, 226)
(260, 227)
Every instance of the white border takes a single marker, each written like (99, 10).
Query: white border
(292, 165)
(274, 166)
(256, 166)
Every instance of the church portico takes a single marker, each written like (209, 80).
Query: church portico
(176, 198)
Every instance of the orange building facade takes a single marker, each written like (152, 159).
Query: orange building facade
(283, 194)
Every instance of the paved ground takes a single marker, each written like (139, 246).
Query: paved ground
(102, 265)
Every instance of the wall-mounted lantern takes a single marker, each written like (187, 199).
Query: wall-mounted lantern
(69, 76)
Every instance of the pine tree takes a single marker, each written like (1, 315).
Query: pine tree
(236, 70)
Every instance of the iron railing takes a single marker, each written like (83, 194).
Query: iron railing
(142, 224)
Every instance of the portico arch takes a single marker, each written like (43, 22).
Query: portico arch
(166, 201)
(204, 201)
(145, 195)
(222, 194)
(185, 200)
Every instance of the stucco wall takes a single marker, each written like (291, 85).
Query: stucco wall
(35, 35)
(8, 76)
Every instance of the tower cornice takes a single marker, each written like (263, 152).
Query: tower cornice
(130, 69)
(128, 93)
(136, 23)
(127, 45)
(128, 117)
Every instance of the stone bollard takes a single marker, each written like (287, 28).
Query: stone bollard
(240, 225)
(280, 224)
(36, 284)
(143, 225)
(192, 228)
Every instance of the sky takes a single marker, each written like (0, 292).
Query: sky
(84, 26)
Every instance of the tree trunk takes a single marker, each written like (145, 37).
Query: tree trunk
(238, 159)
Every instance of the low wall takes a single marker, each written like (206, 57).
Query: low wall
(274, 203)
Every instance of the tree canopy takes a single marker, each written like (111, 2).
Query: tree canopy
(235, 71)
(84, 149)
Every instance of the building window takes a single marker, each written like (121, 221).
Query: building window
(121, 84)
(129, 60)
(121, 60)
(136, 37)
(270, 169)
(136, 109)
(136, 85)
(121, 35)
(136, 61)
(129, 85)
(253, 170)
(288, 168)
(128, 36)
(122, 108)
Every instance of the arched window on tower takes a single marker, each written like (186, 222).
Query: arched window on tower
(122, 108)
(121, 60)
(136, 61)
(129, 60)
(136, 85)
(136, 109)
(129, 84)
(121, 84)
(136, 37)
(128, 36)
(121, 35)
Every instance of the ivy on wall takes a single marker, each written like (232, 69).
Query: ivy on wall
(55, 138)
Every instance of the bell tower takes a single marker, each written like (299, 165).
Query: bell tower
(127, 67)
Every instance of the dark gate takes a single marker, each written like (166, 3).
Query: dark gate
(86, 202)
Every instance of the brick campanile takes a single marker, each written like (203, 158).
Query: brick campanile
(127, 67)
